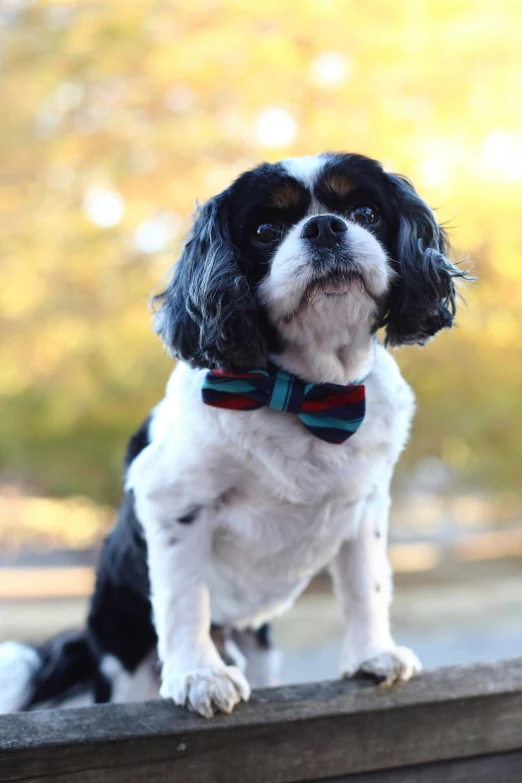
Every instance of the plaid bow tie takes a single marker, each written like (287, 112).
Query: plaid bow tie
(331, 412)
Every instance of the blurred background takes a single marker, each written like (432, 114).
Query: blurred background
(117, 118)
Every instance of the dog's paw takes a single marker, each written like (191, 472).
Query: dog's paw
(387, 666)
(207, 691)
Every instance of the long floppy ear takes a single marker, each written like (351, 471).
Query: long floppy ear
(208, 314)
(422, 298)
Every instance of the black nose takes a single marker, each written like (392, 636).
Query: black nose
(324, 230)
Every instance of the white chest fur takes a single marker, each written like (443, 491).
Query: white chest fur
(278, 500)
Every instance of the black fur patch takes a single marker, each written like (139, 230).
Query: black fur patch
(137, 443)
(209, 314)
(264, 636)
(102, 689)
(69, 666)
(423, 297)
(120, 616)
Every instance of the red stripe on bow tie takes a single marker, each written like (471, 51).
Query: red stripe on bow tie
(235, 403)
(333, 400)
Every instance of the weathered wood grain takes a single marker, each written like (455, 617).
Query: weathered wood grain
(500, 768)
(299, 733)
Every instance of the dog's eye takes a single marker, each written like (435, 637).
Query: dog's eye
(266, 233)
(365, 216)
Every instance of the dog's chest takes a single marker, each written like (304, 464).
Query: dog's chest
(264, 553)
(285, 496)
(283, 522)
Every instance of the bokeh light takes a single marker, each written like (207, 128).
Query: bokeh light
(275, 128)
(104, 207)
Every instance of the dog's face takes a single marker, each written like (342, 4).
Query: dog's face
(327, 248)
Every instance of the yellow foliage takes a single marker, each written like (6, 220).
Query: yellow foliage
(119, 116)
(75, 523)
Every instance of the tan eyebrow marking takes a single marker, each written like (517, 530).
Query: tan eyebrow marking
(286, 196)
(337, 184)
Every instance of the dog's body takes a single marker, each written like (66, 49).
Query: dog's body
(228, 514)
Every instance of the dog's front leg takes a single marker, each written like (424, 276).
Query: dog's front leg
(179, 544)
(363, 582)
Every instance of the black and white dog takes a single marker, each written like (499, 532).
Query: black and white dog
(228, 514)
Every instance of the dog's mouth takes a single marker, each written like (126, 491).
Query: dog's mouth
(334, 285)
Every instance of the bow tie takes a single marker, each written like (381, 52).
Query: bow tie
(330, 412)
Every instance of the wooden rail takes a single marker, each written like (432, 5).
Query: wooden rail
(448, 726)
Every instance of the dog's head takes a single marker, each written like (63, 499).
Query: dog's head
(324, 249)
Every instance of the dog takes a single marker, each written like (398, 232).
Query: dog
(232, 505)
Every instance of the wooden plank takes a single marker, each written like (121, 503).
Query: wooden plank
(298, 733)
(500, 768)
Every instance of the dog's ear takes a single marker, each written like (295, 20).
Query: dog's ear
(422, 298)
(208, 314)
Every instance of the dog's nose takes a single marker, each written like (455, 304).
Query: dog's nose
(324, 230)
